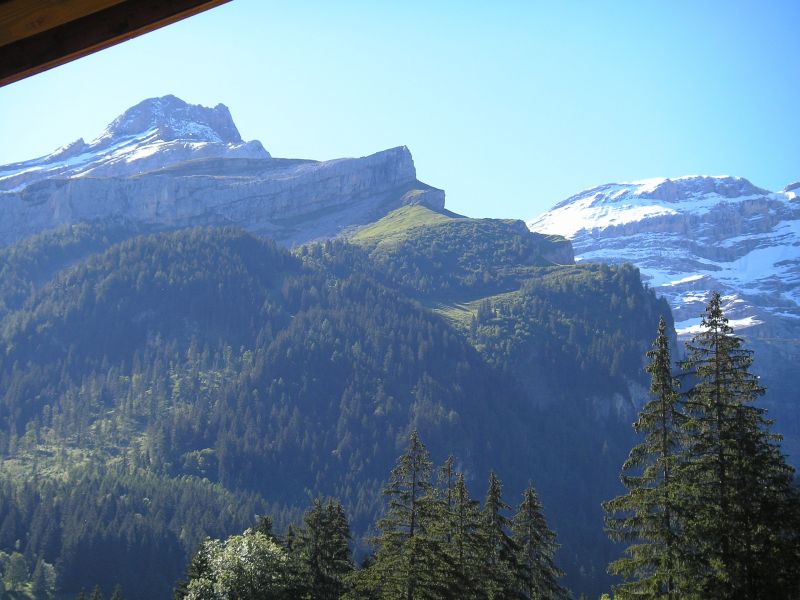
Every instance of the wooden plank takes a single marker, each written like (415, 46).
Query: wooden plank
(23, 18)
(121, 21)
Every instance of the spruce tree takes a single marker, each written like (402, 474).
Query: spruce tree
(199, 566)
(43, 580)
(326, 551)
(410, 558)
(442, 530)
(297, 569)
(537, 546)
(647, 513)
(741, 524)
(501, 569)
(467, 541)
(447, 482)
(117, 595)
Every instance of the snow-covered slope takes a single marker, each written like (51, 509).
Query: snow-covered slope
(691, 235)
(166, 163)
(155, 133)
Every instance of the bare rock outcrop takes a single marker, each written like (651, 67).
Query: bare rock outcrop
(166, 163)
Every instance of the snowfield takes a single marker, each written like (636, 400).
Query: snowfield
(689, 236)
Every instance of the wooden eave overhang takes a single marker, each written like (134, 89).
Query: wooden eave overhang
(36, 35)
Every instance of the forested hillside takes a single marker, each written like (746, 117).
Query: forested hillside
(161, 388)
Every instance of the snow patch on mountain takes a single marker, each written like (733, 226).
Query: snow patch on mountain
(615, 204)
(156, 133)
(167, 164)
(692, 235)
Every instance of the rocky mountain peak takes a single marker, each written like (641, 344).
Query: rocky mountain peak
(692, 235)
(70, 150)
(174, 119)
(685, 188)
(664, 189)
(154, 134)
(164, 163)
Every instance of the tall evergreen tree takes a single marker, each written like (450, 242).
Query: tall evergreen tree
(647, 513)
(447, 483)
(43, 580)
(741, 519)
(117, 595)
(501, 579)
(297, 568)
(199, 567)
(466, 541)
(410, 558)
(537, 546)
(326, 551)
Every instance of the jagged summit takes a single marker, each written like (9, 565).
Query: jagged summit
(616, 204)
(691, 235)
(692, 186)
(669, 190)
(174, 119)
(156, 133)
(165, 163)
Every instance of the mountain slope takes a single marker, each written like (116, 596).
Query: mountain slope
(212, 355)
(441, 256)
(135, 349)
(691, 235)
(167, 164)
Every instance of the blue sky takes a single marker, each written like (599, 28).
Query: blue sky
(508, 106)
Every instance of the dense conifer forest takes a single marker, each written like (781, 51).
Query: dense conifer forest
(433, 541)
(162, 389)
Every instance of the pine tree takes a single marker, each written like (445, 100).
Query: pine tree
(501, 576)
(43, 580)
(410, 558)
(647, 514)
(296, 568)
(537, 547)
(466, 541)
(741, 507)
(447, 482)
(199, 566)
(117, 595)
(264, 525)
(326, 551)
(97, 593)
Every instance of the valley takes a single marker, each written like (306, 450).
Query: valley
(194, 333)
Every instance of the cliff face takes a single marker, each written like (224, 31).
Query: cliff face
(692, 235)
(164, 163)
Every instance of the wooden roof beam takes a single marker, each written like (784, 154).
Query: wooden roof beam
(36, 35)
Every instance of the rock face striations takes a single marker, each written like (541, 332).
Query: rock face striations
(691, 235)
(165, 163)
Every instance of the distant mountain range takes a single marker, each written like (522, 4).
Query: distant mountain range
(692, 235)
(165, 164)
(210, 371)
